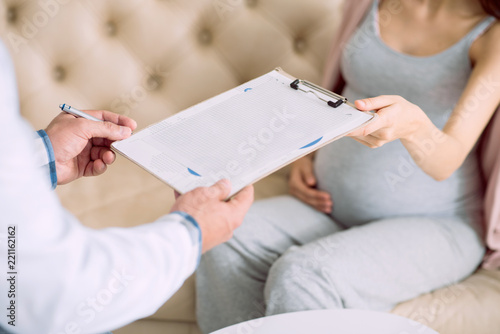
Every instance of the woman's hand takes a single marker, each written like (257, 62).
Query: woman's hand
(397, 119)
(302, 185)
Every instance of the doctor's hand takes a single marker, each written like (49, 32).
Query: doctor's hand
(302, 184)
(82, 147)
(216, 217)
(397, 119)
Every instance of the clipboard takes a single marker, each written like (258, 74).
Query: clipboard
(243, 134)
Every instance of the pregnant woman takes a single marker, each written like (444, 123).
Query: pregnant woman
(395, 210)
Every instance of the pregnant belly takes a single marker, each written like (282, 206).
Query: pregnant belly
(371, 184)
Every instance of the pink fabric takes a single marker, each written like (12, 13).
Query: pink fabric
(354, 12)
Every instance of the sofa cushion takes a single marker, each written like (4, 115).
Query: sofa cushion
(471, 306)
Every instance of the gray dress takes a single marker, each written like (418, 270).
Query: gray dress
(369, 184)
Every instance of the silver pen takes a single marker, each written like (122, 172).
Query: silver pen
(78, 113)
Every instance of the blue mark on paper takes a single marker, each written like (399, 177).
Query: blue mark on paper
(312, 144)
(247, 89)
(193, 172)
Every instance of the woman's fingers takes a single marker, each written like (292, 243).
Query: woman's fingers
(361, 141)
(316, 200)
(380, 131)
(320, 200)
(307, 175)
(370, 141)
(376, 103)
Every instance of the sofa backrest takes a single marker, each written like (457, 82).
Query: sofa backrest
(149, 59)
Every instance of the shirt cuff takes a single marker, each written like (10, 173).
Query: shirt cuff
(194, 231)
(51, 158)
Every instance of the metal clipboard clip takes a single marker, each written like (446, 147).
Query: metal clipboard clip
(339, 100)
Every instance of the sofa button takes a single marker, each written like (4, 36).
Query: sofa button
(59, 73)
(205, 37)
(300, 45)
(154, 82)
(111, 28)
(252, 3)
(12, 15)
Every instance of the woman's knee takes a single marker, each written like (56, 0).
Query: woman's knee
(288, 271)
(262, 216)
(297, 281)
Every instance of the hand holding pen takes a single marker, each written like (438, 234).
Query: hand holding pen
(77, 113)
(81, 145)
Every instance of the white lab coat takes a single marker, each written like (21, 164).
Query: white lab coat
(70, 278)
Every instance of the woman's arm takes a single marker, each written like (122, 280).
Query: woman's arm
(441, 152)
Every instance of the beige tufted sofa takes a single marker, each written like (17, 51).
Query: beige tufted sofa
(152, 58)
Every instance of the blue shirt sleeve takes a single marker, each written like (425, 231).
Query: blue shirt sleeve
(50, 154)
